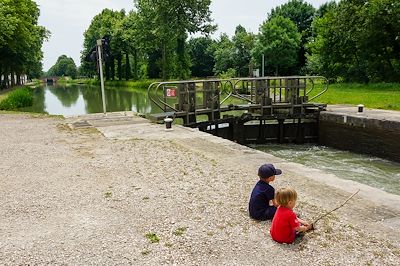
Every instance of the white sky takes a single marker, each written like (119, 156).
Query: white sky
(68, 19)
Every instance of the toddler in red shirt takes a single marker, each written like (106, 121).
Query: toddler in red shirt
(285, 224)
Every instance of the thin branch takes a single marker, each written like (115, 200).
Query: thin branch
(338, 207)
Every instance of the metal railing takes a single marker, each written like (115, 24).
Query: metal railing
(278, 89)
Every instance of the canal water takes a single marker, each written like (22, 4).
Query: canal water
(83, 99)
(369, 170)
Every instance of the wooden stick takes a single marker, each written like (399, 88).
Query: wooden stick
(338, 207)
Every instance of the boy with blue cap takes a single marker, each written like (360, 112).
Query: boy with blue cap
(262, 205)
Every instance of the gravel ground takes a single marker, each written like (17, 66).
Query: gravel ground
(75, 197)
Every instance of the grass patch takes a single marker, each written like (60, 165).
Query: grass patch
(180, 231)
(378, 95)
(127, 85)
(108, 195)
(21, 97)
(146, 252)
(152, 237)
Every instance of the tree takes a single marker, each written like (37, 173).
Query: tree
(201, 51)
(243, 43)
(324, 8)
(357, 41)
(301, 14)
(169, 22)
(224, 50)
(65, 66)
(381, 41)
(279, 41)
(103, 25)
(21, 40)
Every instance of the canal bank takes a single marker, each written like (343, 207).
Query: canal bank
(99, 190)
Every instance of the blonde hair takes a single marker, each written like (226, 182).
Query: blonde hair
(284, 195)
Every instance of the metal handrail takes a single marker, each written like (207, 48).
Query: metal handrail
(322, 92)
(311, 78)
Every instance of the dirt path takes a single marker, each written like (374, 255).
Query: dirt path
(82, 197)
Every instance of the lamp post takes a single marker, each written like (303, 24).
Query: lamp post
(263, 62)
(99, 53)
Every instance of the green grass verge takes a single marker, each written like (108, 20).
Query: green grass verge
(377, 96)
(21, 97)
(127, 85)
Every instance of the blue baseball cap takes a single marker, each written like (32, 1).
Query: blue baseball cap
(267, 170)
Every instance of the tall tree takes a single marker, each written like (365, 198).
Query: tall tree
(381, 41)
(302, 14)
(279, 41)
(169, 22)
(341, 50)
(65, 66)
(201, 51)
(243, 43)
(102, 25)
(224, 55)
(21, 39)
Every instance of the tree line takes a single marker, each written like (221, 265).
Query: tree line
(348, 40)
(21, 40)
(352, 40)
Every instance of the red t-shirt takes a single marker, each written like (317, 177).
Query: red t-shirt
(283, 225)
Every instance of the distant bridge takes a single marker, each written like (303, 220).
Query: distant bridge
(49, 80)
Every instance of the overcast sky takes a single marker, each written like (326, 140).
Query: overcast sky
(68, 19)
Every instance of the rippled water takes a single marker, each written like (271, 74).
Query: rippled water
(372, 171)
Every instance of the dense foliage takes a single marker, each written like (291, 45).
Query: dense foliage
(21, 40)
(65, 66)
(18, 98)
(350, 40)
(358, 40)
(279, 41)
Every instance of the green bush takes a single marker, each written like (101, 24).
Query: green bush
(21, 97)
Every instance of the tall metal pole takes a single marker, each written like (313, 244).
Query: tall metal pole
(99, 53)
(263, 65)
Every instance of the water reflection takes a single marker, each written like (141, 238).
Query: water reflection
(372, 171)
(83, 99)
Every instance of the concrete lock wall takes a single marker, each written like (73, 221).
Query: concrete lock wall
(377, 137)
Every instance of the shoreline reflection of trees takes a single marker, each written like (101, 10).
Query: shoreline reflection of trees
(68, 96)
(117, 99)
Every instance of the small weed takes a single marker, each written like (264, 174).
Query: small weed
(325, 245)
(146, 252)
(145, 198)
(168, 245)
(180, 231)
(108, 195)
(152, 237)
(221, 227)
(350, 226)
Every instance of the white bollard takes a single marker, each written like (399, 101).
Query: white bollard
(360, 108)
(168, 123)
